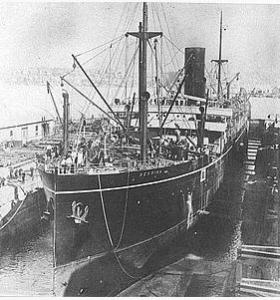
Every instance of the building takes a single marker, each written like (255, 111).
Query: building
(21, 125)
(21, 134)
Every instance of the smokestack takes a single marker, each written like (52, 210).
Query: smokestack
(195, 80)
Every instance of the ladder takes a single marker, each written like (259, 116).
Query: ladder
(252, 150)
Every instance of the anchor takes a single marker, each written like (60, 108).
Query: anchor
(79, 213)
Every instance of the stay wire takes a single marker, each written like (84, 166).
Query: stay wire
(133, 76)
(100, 46)
(132, 16)
(124, 11)
(173, 44)
(160, 65)
(168, 46)
(127, 73)
(169, 33)
(90, 59)
(103, 73)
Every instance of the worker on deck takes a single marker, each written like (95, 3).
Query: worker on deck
(80, 158)
(69, 161)
(49, 152)
(63, 164)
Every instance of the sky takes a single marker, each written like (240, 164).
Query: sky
(42, 34)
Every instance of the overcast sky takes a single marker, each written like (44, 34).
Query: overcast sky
(46, 34)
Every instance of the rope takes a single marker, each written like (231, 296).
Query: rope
(173, 44)
(93, 91)
(167, 46)
(86, 106)
(133, 16)
(104, 212)
(133, 73)
(128, 72)
(169, 33)
(153, 54)
(68, 73)
(100, 46)
(109, 233)
(90, 59)
(125, 212)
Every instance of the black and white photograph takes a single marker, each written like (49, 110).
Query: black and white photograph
(139, 149)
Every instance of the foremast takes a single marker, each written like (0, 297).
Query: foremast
(143, 35)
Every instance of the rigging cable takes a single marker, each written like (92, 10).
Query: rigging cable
(122, 17)
(133, 72)
(127, 73)
(87, 61)
(169, 33)
(109, 232)
(168, 48)
(174, 45)
(154, 57)
(103, 73)
(120, 56)
(125, 212)
(133, 15)
(107, 43)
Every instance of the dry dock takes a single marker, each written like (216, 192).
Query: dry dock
(250, 209)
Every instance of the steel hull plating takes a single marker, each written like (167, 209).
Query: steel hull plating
(23, 221)
(130, 216)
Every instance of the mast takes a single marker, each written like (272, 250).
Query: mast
(143, 35)
(220, 61)
(65, 96)
(126, 52)
(143, 96)
(220, 56)
(55, 106)
(157, 84)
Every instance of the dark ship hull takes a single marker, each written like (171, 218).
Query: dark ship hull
(24, 220)
(131, 215)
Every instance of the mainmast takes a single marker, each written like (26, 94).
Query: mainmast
(220, 57)
(220, 61)
(143, 35)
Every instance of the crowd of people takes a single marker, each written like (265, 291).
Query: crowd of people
(100, 150)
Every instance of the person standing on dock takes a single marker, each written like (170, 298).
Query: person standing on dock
(32, 172)
(11, 172)
(23, 177)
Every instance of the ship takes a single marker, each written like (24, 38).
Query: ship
(22, 205)
(112, 215)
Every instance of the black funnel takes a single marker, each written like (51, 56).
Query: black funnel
(195, 79)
